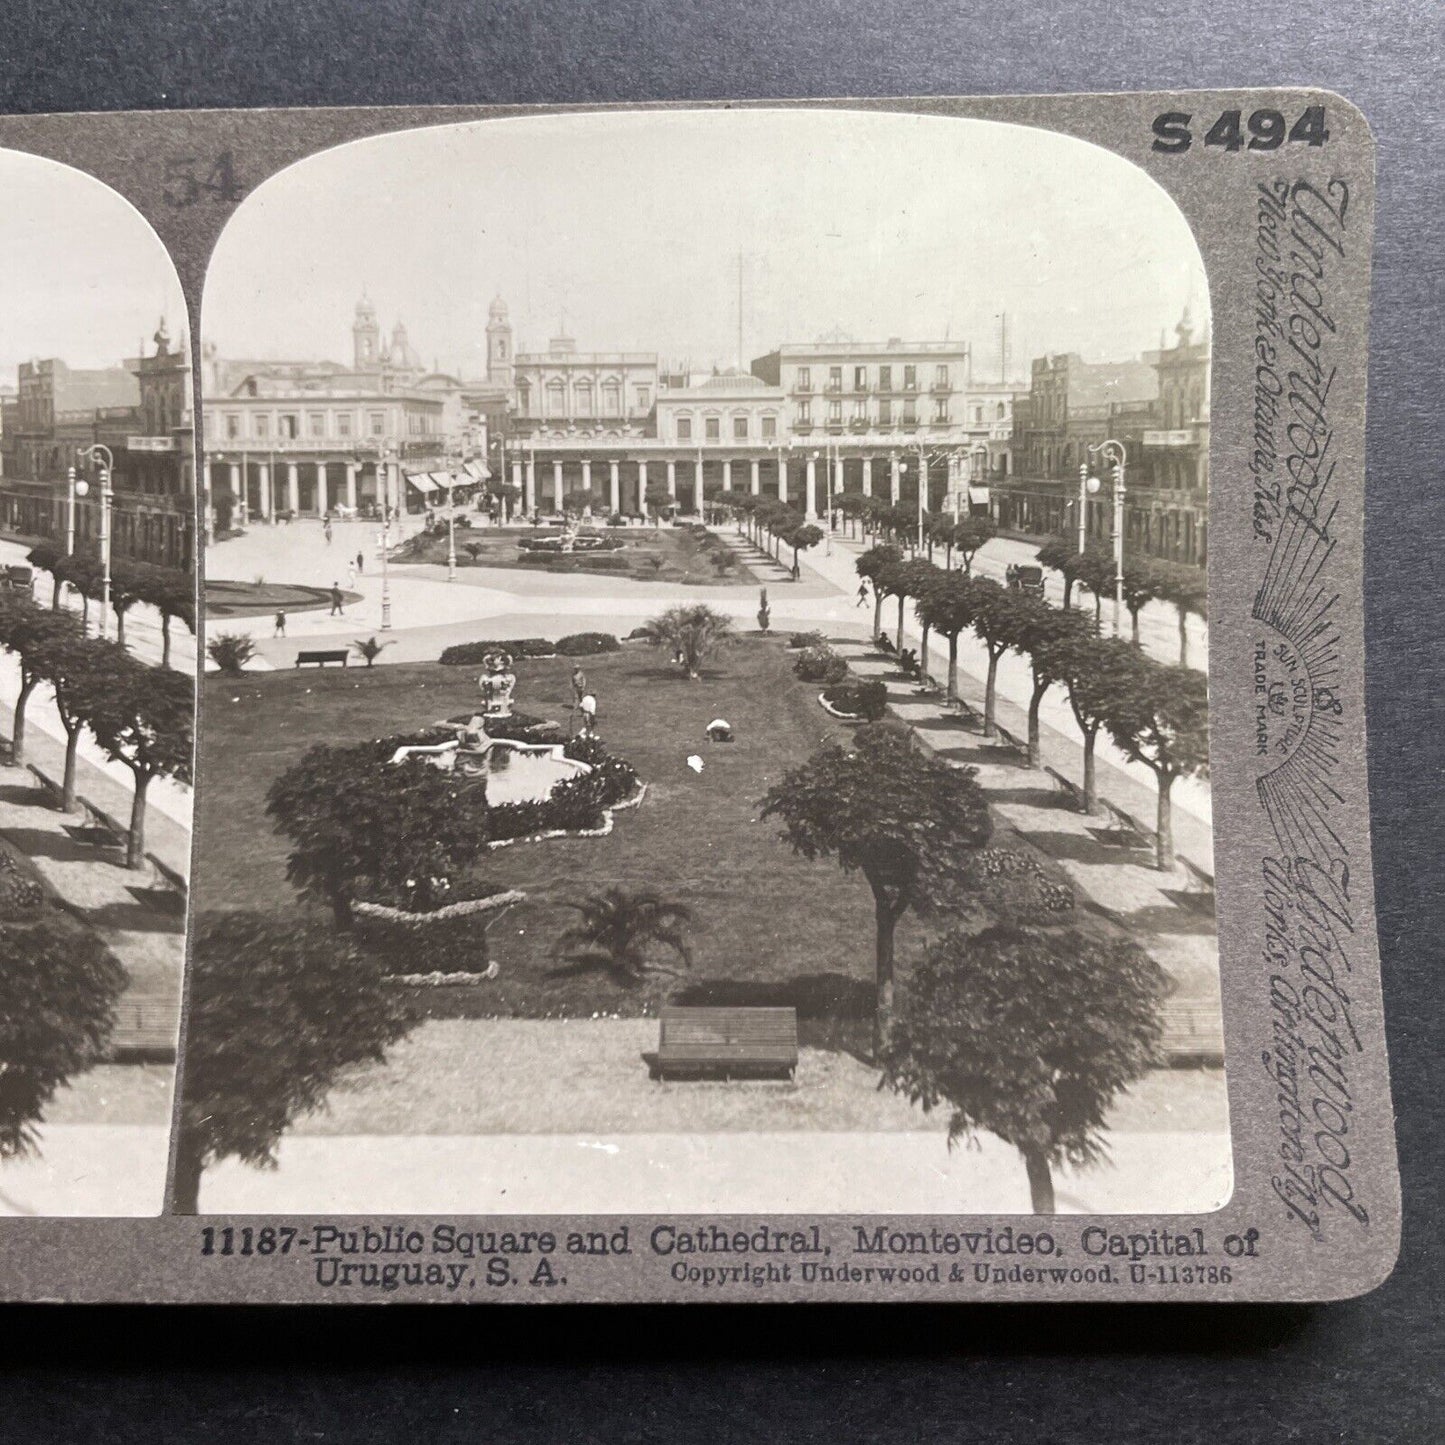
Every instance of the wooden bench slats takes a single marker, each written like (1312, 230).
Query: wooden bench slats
(726, 1040)
(319, 657)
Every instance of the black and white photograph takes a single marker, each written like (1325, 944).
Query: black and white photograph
(97, 693)
(705, 677)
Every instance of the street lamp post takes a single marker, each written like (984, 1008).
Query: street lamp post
(78, 486)
(383, 454)
(451, 521)
(1113, 452)
(102, 453)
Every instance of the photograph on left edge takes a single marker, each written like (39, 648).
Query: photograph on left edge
(97, 693)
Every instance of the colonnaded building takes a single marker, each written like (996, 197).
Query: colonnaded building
(640, 433)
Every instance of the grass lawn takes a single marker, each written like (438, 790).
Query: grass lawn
(226, 598)
(764, 918)
(115, 1094)
(649, 554)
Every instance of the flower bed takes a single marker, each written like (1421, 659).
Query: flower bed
(587, 644)
(467, 654)
(856, 699)
(821, 664)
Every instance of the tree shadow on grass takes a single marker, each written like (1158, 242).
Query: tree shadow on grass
(835, 1012)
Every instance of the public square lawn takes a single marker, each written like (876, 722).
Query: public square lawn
(651, 554)
(764, 918)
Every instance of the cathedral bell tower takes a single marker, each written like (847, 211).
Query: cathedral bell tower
(499, 344)
(365, 336)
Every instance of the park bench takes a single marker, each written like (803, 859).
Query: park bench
(1006, 742)
(1070, 789)
(1193, 1034)
(172, 876)
(733, 1042)
(1142, 837)
(113, 830)
(1202, 882)
(320, 656)
(47, 783)
(962, 708)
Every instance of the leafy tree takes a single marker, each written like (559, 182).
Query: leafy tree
(618, 932)
(994, 620)
(692, 633)
(144, 718)
(967, 536)
(1160, 717)
(358, 822)
(1187, 589)
(44, 557)
(947, 607)
(1045, 635)
(172, 592)
(1094, 571)
(231, 651)
(801, 539)
(224, 501)
(1094, 670)
(906, 821)
(1028, 1034)
(871, 566)
(279, 1010)
(582, 499)
(1061, 554)
(80, 669)
(59, 987)
(33, 634)
(370, 648)
(659, 499)
(127, 587)
(1142, 584)
(914, 578)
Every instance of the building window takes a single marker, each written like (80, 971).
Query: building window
(1000, 412)
(343, 423)
(910, 378)
(940, 374)
(556, 397)
(712, 428)
(770, 426)
(611, 398)
(584, 398)
(233, 425)
(860, 378)
(910, 413)
(740, 428)
(378, 423)
(978, 416)
(261, 424)
(940, 410)
(524, 399)
(885, 378)
(835, 411)
(805, 378)
(885, 412)
(835, 378)
(644, 398)
(316, 423)
(684, 428)
(860, 411)
(805, 413)
(290, 426)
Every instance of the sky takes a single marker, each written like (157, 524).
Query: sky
(627, 229)
(82, 275)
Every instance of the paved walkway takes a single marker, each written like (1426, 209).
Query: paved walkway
(741, 1173)
(110, 1170)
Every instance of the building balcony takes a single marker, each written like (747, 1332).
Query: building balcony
(941, 388)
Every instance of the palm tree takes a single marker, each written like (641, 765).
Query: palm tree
(691, 633)
(616, 932)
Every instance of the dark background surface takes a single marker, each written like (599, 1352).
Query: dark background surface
(1367, 1370)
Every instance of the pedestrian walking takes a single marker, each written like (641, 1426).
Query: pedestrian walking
(862, 594)
(360, 563)
(336, 600)
(280, 622)
(579, 691)
(326, 530)
(350, 575)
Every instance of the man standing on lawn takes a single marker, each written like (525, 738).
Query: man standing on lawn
(336, 601)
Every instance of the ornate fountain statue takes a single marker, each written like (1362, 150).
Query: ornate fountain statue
(497, 684)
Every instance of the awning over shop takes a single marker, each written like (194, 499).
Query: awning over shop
(422, 481)
(478, 472)
(978, 496)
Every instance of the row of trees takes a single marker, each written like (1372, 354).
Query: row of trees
(1022, 1021)
(142, 717)
(169, 590)
(1146, 579)
(767, 518)
(1156, 714)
